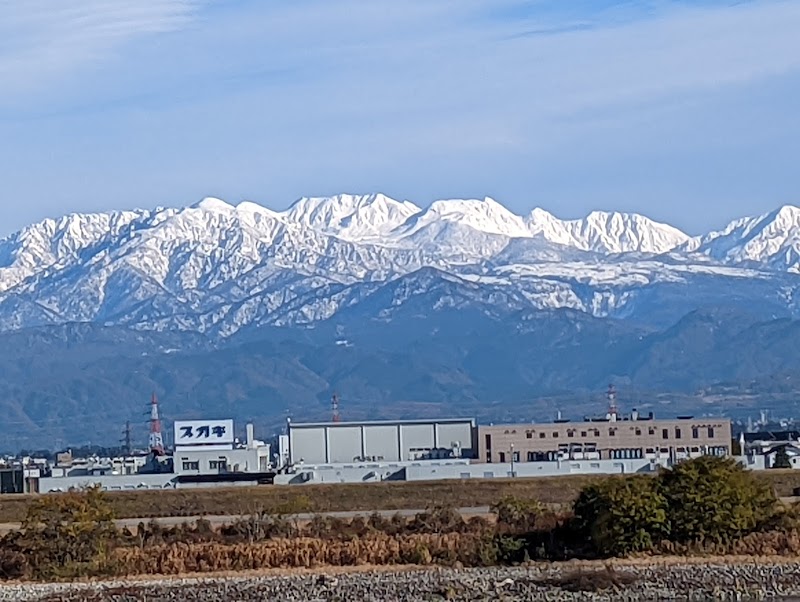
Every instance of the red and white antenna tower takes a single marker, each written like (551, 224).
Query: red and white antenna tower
(156, 439)
(335, 408)
(613, 412)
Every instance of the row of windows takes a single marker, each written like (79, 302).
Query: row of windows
(626, 454)
(220, 464)
(634, 453)
(612, 432)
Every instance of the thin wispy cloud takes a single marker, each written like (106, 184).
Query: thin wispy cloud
(574, 105)
(43, 39)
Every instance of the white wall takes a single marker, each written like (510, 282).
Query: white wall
(460, 469)
(108, 482)
(237, 460)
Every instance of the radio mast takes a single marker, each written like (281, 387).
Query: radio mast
(156, 439)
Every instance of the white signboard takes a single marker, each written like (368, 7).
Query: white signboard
(203, 432)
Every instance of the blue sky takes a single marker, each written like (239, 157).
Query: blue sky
(686, 111)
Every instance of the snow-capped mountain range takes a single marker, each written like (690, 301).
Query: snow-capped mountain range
(217, 268)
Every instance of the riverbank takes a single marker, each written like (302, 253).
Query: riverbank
(624, 580)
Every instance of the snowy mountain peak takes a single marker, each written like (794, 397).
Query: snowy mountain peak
(351, 217)
(772, 240)
(217, 268)
(606, 232)
(615, 232)
(484, 215)
(211, 203)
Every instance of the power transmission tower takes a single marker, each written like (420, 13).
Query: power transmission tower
(127, 439)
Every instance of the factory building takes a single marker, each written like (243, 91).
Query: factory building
(206, 454)
(610, 438)
(380, 441)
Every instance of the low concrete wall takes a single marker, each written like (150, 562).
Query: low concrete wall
(432, 471)
(108, 482)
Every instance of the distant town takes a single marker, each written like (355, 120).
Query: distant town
(206, 453)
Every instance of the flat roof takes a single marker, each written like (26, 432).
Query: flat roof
(562, 423)
(381, 422)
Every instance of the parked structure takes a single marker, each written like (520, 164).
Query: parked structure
(380, 441)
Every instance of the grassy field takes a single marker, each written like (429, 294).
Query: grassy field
(344, 497)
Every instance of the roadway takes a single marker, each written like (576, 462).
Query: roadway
(221, 520)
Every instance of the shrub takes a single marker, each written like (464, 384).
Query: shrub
(439, 519)
(13, 564)
(517, 515)
(258, 527)
(715, 499)
(622, 516)
(64, 535)
(782, 459)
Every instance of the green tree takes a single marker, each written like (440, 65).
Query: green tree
(65, 535)
(619, 516)
(715, 499)
(782, 458)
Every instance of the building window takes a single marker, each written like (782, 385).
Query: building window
(677, 433)
(555, 434)
(638, 432)
(502, 457)
(570, 433)
(583, 433)
(488, 457)
(488, 442)
(542, 435)
(695, 432)
(187, 465)
(529, 435)
(665, 433)
(612, 432)
(221, 464)
(651, 431)
(711, 432)
(596, 432)
(515, 456)
(531, 457)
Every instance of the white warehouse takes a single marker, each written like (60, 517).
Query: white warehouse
(380, 441)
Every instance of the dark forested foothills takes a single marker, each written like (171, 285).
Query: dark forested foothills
(703, 506)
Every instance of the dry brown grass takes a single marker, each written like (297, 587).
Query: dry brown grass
(345, 497)
(301, 552)
(324, 498)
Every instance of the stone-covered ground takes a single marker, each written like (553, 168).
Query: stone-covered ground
(666, 580)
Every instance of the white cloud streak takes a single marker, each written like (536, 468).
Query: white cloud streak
(276, 98)
(42, 40)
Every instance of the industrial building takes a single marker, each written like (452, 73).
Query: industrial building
(615, 438)
(206, 454)
(380, 441)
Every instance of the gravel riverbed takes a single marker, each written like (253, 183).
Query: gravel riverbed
(674, 580)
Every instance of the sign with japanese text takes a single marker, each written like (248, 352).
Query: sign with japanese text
(201, 432)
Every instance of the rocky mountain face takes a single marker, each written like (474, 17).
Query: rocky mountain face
(217, 269)
(461, 306)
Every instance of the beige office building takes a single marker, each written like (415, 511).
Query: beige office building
(624, 438)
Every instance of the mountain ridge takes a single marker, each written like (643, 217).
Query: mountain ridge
(214, 267)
